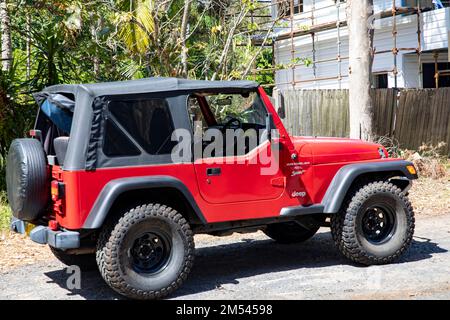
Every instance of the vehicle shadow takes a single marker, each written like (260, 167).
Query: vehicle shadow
(92, 286)
(226, 263)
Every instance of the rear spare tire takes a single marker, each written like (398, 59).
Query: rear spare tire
(27, 179)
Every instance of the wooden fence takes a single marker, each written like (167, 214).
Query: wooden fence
(411, 116)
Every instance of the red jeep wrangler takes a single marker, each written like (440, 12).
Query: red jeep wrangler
(125, 173)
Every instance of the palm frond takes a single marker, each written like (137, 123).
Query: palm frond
(136, 28)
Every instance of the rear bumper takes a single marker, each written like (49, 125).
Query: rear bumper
(18, 226)
(60, 239)
(57, 239)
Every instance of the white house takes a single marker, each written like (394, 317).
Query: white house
(315, 34)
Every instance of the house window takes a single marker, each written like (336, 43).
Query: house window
(284, 7)
(429, 72)
(439, 4)
(298, 6)
(380, 81)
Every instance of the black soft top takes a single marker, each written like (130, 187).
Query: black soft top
(87, 102)
(150, 85)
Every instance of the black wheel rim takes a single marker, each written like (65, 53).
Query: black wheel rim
(150, 252)
(378, 223)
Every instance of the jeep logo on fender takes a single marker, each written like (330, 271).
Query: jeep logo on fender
(298, 194)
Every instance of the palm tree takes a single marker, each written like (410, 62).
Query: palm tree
(137, 27)
(6, 35)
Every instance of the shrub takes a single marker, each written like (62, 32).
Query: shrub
(429, 160)
(5, 212)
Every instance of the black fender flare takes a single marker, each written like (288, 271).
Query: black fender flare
(345, 176)
(116, 187)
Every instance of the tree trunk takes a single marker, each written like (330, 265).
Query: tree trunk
(6, 36)
(229, 41)
(28, 44)
(95, 58)
(184, 49)
(96, 67)
(360, 68)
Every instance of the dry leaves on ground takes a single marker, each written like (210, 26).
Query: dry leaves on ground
(18, 250)
(431, 197)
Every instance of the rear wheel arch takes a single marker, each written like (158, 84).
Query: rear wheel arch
(122, 194)
(169, 196)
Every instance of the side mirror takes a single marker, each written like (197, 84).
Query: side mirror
(269, 121)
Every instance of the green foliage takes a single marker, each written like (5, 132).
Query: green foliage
(5, 212)
(297, 61)
(74, 41)
(264, 62)
(137, 26)
(2, 174)
(225, 106)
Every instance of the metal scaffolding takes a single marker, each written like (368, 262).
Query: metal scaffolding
(314, 28)
(438, 73)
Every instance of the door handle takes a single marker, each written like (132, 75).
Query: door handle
(213, 171)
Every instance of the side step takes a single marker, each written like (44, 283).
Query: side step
(301, 210)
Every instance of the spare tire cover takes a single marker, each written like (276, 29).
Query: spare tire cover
(27, 179)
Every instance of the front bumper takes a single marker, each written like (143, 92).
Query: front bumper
(60, 239)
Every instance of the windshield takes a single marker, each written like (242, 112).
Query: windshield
(227, 111)
(247, 108)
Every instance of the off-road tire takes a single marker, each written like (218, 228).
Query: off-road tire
(290, 232)
(114, 247)
(347, 232)
(85, 262)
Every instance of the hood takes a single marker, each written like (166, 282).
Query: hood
(334, 150)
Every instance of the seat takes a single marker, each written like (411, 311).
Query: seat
(60, 145)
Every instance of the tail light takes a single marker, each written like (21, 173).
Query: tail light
(57, 190)
(53, 225)
(37, 134)
(411, 169)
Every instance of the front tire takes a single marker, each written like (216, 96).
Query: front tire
(148, 253)
(376, 226)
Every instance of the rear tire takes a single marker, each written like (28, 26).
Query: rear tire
(146, 254)
(290, 232)
(375, 226)
(85, 262)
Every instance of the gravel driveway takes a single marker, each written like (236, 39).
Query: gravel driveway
(253, 267)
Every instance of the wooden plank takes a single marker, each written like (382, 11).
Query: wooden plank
(401, 116)
(417, 116)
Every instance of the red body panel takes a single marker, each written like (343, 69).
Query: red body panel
(238, 178)
(240, 192)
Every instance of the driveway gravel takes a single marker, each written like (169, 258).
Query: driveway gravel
(251, 266)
